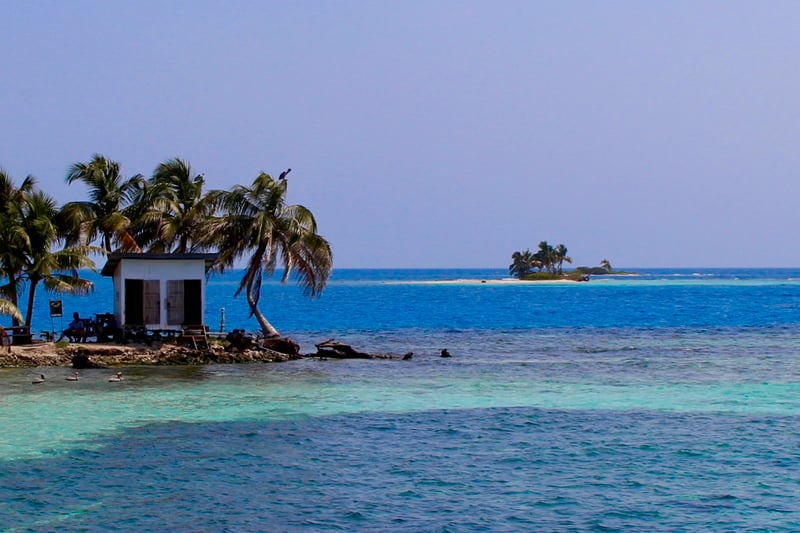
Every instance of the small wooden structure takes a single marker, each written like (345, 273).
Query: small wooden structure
(159, 291)
(20, 334)
(195, 336)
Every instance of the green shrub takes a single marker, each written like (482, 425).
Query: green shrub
(542, 276)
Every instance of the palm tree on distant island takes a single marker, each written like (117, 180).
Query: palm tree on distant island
(606, 265)
(256, 223)
(548, 258)
(545, 255)
(559, 256)
(522, 263)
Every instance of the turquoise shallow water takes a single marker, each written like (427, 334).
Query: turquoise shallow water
(662, 402)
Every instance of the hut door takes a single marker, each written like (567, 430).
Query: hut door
(134, 310)
(184, 302)
(175, 302)
(192, 293)
(152, 301)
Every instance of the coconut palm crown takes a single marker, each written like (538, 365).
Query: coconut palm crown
(14, 241)
(109, 195)
(31, 230)
(181, 204)
(57, 269)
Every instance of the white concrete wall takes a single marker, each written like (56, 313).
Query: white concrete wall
(161, 270)
(118, 288)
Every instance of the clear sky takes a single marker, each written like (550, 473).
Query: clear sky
(437, 133)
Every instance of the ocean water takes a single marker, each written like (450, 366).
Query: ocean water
(665, 401)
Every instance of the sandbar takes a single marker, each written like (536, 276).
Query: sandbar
(503, 281)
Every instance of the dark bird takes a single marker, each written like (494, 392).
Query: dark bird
(284, 173)
(445, 353)
(408, 356)
(39, 380)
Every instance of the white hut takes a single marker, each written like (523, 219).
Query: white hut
(159, 291)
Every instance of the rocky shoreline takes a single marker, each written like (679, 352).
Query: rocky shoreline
(113, 355)
(100, 355)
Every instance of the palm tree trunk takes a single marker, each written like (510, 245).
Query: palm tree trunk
(31, 294)
(266, 328)
(14, 297)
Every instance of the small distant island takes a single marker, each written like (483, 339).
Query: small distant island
(546, 264)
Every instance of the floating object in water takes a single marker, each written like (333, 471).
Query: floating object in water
(408, 356)
(72, 378)
(40, 379)
(445, 353)
(116, 378)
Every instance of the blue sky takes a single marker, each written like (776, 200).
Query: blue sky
(441, 133)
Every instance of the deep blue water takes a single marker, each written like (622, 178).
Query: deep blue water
(666, 401)
(375, 300)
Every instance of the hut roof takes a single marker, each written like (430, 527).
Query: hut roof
(115, 258)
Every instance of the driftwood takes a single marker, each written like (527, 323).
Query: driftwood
(283, 345)
(339, 350)
(239, 340)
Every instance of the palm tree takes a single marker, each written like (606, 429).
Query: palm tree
(56, 269)
(145, 212)
(545, 255)
(606, 265)
(257, 224)
(180, 201)
(560, 255)
(522, 263)
(7, 307)
(109, 194)
(14, 241)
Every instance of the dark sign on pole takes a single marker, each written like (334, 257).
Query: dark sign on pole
(55, 308)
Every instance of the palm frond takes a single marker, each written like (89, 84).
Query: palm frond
(9, 309)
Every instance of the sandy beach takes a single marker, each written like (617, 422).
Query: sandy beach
(503, 281)
(41, 354)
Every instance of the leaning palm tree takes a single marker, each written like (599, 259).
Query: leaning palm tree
(109, 194)
(606, 265)
(256, 224)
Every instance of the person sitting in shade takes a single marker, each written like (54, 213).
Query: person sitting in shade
(108, 329)
(75, 331)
